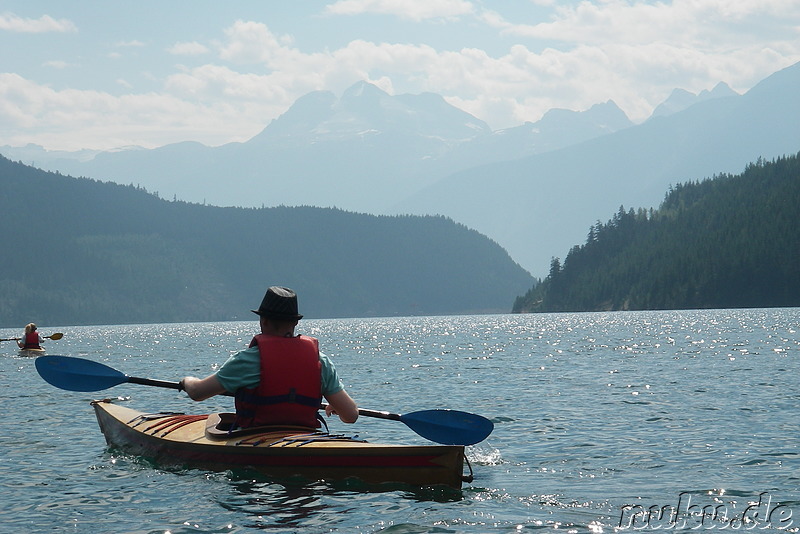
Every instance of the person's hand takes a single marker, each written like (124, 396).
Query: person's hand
(345, 407)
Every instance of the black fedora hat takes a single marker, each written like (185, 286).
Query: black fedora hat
(279, 303)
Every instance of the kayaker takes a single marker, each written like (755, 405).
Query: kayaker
(281, 378)
(31, 339)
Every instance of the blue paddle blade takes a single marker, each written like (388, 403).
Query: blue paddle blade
(77, 374)
(449, 427)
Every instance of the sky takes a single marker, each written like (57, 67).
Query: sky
(101, 75)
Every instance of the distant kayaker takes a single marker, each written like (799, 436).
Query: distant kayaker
(281, 378)
(31, 339)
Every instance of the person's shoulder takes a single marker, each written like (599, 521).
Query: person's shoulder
(325, 359)
(247, 354)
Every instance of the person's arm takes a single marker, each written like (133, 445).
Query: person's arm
(200, 389)
(341, 404)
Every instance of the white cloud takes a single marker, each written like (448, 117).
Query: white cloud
(130, 44)
(252, 42)
(703, 23)
(415, 10)
(632, 52)
(210, 82)
(72, 119)
(188, 49)
(44, 24)
(636, 52)
(56, 64)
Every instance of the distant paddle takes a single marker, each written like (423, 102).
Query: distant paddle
(55, 337)
(448, 427)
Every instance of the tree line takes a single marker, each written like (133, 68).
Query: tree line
(730, 241)
(80, 251)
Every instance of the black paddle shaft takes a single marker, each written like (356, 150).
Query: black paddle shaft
(151, 382)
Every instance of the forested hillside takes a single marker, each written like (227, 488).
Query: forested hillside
(79, 251)
(727, 242)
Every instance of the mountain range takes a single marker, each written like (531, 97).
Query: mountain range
(360, 152)
(535, 189)
(540, 206)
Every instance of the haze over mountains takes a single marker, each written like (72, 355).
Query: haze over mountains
(535, 189)
(538, 207)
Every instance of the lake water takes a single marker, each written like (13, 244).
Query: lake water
(601, 419)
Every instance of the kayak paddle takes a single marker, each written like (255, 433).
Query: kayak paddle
(56, 336)
(448, 427)
(79, 374)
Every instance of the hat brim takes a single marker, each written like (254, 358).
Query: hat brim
(277, 315)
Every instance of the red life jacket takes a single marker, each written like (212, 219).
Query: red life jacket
(290, 388)
(32, 340)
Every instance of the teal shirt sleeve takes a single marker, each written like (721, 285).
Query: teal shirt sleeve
(331, 383)
(243, 370)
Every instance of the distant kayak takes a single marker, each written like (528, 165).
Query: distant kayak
(37, 351)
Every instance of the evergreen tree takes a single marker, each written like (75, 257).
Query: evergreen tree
(729, 241)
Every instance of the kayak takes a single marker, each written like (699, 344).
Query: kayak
(206, 442)
(31, 352)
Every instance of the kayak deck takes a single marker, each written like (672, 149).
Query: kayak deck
(202, 441)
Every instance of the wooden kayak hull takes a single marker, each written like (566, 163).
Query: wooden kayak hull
(185, 440)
